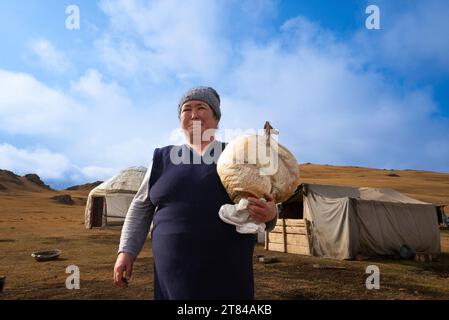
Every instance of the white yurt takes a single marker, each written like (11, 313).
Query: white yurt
(109, 201)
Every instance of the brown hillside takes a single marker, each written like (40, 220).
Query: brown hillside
(10, 182)
(86, 186)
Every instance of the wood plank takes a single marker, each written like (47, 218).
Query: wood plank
(266, 240)
(290, 230)
(291, 222)
(294, 239)
(284, 235)
(290, 248)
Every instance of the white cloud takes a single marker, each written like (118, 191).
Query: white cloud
(98, 173)
(93, 124)
(123, 56)
(327, 108)
(49, 165)
(164, 39)
(48, 56)
(28, 106)
(106, 96)
(46, 164)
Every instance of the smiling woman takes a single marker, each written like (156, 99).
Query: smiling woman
(199, 113)
(189, 240)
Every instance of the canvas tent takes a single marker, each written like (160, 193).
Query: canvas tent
(109, 201)
(342, 222)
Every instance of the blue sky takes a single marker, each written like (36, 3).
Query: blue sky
(79, 105)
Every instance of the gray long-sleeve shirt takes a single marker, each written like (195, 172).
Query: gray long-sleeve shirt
(140, 215)
(138, 219)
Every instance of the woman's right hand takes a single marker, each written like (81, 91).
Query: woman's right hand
(123, 265)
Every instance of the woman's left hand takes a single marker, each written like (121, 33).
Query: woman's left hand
(262, 211)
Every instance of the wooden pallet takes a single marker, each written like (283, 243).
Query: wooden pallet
(289, 236)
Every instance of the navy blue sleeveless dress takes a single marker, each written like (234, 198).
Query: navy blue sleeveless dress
(196, 254)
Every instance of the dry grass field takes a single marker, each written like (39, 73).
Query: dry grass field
(31, 220)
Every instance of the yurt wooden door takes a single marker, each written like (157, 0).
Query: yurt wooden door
(97, 211)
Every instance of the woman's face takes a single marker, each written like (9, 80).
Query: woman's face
(197, 113)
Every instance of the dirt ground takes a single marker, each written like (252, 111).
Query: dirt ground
(31, 220)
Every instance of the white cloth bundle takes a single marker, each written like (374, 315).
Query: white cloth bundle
(238, 215)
